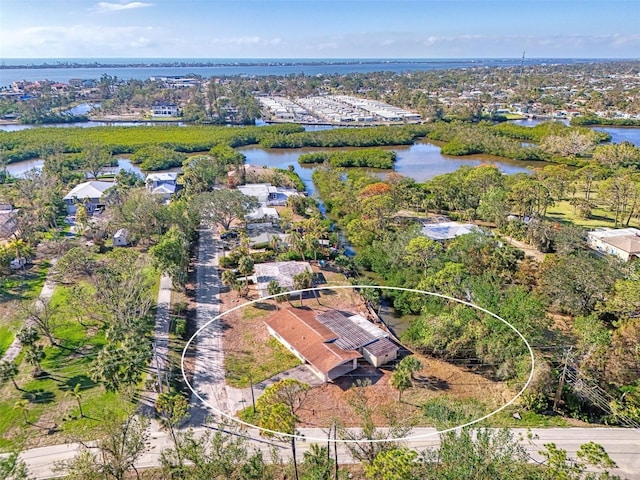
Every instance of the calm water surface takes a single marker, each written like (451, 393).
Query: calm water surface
(139, 69)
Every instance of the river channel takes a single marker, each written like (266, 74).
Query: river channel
(420, 161)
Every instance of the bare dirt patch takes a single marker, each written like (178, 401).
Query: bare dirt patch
(436, 379)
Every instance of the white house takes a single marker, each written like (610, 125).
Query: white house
(622, 242)
(448, 230)
(121, 238)
(90, 194)
(164, 109)
(164, 183)
(267, 194)
(281, 272)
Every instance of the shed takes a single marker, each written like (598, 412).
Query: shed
(121, 238)
(380, 352)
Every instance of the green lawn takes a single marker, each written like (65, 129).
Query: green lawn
(446, 412)
(274, 359)
(6, 337)
(48, 400)
(563, 212)
(24, 285)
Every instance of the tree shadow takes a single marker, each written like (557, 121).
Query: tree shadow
(84, 381)
(40, 396)
(364, 373)
(431, 382)
(224, 326)
(264, 306)
(328, 291)
(319, 278)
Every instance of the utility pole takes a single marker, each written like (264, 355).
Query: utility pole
(335, 446)
(253, 398)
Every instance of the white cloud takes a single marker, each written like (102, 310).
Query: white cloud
(83, 41)
(246, 41)
(103, 7)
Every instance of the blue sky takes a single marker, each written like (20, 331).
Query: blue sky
(319, 28)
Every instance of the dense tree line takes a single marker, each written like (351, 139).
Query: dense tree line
(489, 272)
(28, 143)
(372, 158)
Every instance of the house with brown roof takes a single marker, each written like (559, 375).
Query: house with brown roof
(330, 342)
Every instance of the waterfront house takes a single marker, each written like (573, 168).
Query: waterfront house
(267, 194)
(163, 184)
(164, 109)
(90, 194)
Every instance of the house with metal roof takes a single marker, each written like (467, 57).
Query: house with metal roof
(267, 194)
(443, 231)
(163, 184)
(330, 342)
(90, 194)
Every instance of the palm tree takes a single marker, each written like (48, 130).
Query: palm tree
(297, 243)
(75, 393)
(400, 380)
(245, 267)
(274, 288)
(9, 370)
(301, 281)
(411, 365)
(19, 248)
(229, 279)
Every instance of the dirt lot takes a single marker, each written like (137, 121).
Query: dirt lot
(247, 332)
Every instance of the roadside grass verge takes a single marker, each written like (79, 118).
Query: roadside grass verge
(6, 338)
(444, 412)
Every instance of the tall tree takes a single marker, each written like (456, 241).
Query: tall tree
(172, 256)
(224, 206)
(95, 158)
(277, 410)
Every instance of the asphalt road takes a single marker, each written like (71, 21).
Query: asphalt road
(623, 445)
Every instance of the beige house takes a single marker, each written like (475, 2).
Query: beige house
(622, 242)
(380, 352)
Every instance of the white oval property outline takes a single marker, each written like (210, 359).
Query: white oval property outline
(353, 287)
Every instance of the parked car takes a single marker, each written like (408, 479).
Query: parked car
(228, 235)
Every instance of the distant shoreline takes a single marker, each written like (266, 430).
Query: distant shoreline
(176, 63)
